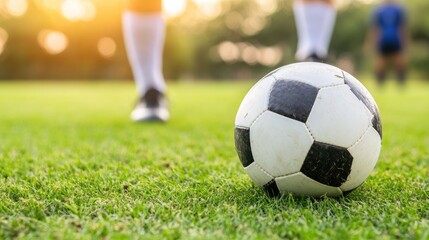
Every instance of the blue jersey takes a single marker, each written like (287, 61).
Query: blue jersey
(389, 18)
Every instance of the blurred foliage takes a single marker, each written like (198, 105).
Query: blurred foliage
(191, 49)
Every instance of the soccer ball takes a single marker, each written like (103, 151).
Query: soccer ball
(309, 129)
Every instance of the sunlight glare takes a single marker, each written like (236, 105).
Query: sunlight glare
(174, 8)
(52, 5)
(210, 8)
(76, 10)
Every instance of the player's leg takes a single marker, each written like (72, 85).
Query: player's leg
(400, 65)
(144, 32)
(315, 20)
(380, 65)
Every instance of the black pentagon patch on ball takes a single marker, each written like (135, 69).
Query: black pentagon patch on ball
(362, 95)
(242, 146)
(327, 164)
(292, 99)
(271, 189)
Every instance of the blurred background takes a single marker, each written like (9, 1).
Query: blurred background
(206, 39)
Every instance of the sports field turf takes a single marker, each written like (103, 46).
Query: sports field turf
(73, 166)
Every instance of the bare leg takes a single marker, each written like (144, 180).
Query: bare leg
(400, 64)
(380, 69)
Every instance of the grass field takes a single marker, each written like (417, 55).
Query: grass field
(73, 166)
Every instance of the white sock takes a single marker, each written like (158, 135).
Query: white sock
(144, 41)
(315, 22)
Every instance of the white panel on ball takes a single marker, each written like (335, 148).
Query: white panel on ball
(316, 74)
(338, 117)
(258, 175)
(279, 144)
(365, 155)
(255, 102)
(301, 185)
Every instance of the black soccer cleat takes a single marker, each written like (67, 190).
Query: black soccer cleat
(315, 58)
(152, 106)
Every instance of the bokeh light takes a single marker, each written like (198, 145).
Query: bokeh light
(268, 7)
(270, 56)
(248, 53)
(253, 25)
(209, 8)
(174, 8)
(54, 42)
(344, 3)
(233, 20)
(3, 39)
(16, 8)
(234, 34)
(228, 52)
(52, 5)
(106, 47)
(78, 10)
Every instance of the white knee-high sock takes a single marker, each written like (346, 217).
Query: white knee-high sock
(144, 40)
(327, 23)
(315, 22)
(304, 40)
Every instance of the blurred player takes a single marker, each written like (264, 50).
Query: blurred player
(144, 32)
(389, 36)
(315, 20)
